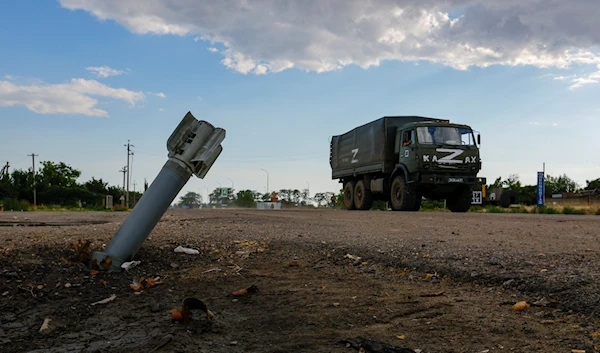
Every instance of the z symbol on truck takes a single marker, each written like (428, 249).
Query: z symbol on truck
(449, 159)
(354, 153)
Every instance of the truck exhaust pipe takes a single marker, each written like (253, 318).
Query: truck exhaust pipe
(193, 148)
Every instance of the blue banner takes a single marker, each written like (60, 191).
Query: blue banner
(540, 189)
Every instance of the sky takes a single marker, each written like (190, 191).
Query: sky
(81, 78)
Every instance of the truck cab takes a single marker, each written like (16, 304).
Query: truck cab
(438, 156)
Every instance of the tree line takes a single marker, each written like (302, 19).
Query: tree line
(249, 198)
(56, 184)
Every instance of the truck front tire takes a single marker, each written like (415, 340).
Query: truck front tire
(349, 195)
(363, 198)
(403, 196)
(461, 202)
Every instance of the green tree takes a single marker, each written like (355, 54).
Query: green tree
(96, 186)
(216, 197)
(57, 184)
(245, 198)
(190, 199)
(562, 183)
(593, 184)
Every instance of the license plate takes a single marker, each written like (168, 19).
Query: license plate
(455, 180)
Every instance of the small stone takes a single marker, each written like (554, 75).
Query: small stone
(233, 343)
(67, 285)
(235, 300)
(474, 274)
(508, 283)
(5, 294)
(174, 265)
(336, 304)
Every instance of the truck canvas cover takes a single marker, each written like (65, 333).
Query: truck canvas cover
(368, 148)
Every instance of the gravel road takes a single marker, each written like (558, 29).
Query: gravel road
(438, 282)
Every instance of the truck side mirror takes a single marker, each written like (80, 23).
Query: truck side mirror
(478, 139)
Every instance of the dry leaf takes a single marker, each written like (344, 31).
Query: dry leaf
(107, 300)
(577, 351)
(520, 306)
(401, 337)
(46, 324)
(188, 304)
(82, 251)
(143, 283)
(94, 272)
(106, 263)
(596, 334)
(250, 290)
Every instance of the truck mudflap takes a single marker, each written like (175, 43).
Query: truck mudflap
(433, 178)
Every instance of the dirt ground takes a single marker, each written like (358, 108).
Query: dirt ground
(429, 282)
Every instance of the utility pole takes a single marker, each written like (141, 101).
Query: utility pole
(123, 170)
(129, 153)
(33, 155)
(133, 191)
(267, 179)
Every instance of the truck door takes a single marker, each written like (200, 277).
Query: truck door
(407, 149)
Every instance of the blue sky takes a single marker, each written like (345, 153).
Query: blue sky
(281, 89)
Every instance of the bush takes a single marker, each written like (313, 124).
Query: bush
(15, 205)
(432, 204)
(546, 210)
(520, 209)
(494, 209)
(572, 210)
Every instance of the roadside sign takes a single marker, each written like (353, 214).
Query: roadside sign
(477, 198)
(223, 192)
(540, 189)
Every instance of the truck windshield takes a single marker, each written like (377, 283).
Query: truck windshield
(445, 135)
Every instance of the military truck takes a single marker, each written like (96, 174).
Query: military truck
(401, 159)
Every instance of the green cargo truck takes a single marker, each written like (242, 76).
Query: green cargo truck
(401, 159)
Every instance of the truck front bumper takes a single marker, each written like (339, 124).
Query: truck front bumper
(447, 179)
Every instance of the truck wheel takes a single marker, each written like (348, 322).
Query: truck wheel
(363, 197)
(349, 195)
(461, 202)
(403, 196)
(509, 197)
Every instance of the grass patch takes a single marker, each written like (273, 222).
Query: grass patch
(573, 210)
(15, 205)
(494, 209)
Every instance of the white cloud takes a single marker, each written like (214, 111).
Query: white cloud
(272, 36)
(10, 77)
(200, 99)
(197, 39)
(74, 97)
(589, 79)
(161, 110)
(212, 49)
(104, 71)
(159, 94)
